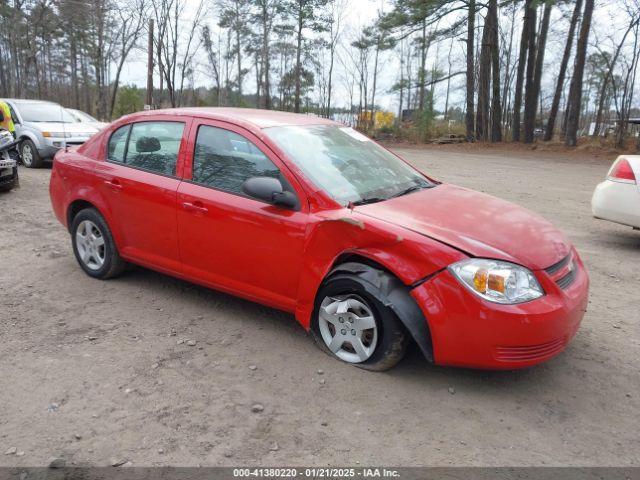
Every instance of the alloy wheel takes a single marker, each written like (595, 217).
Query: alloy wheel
(27, 155)
(348, 327)
(90, 244)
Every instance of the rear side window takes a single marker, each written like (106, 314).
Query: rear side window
(118, 144)
(224, 160)
(151, 146)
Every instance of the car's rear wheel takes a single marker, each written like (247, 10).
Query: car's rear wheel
(30, 156)
(353, 325)
(94, 247)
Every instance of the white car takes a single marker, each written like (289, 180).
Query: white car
(83, 117)
(617, 199)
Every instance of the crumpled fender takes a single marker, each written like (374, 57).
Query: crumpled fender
(394, 294)
(335, 235)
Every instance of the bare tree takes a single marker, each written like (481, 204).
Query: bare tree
(575, 90)
(553, 113)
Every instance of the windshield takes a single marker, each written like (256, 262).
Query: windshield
(347, 165)
(44, 112)
(82, 117)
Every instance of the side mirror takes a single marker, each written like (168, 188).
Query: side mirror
(269, 189)
(1, 116)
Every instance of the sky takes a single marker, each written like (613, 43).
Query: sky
(607, 22)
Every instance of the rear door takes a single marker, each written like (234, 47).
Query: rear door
(228, 240)
(140, 181)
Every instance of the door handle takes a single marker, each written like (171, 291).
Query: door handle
(195, 207)
(113, 184)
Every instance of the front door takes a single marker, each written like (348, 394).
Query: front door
(140, 181)
(228, 240)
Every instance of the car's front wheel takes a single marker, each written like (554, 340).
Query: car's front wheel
(94, 247)
(351, 323)
(30, 156)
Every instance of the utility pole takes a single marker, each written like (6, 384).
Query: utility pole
(149, 103)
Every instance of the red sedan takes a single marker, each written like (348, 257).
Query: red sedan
(311, 217)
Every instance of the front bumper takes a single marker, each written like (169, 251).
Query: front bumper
(48, 152)
(617, 202)
(468, 331)
(51, 146)
(8, 173)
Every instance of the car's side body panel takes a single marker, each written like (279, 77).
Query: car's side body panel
(236, 243)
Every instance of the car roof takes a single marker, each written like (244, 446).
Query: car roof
(19, 101)
(246, 116)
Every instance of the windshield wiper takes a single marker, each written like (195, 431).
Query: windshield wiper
(366, 201)
(406, 191)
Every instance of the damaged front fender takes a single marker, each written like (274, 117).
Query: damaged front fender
(405, 258)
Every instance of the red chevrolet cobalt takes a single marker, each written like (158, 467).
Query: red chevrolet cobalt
(311, 217)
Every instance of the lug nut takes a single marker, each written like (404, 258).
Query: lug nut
(341, 320)
(353, 332)
(343, 331)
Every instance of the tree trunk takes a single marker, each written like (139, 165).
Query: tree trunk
(239, 54)
(506, 88)
(330, 80)
(471, 20)
(484, 81)
(372, 121)
(575, 91)
(266, 54)
(422, 77)
(528, 24)
(400, 104)
(446, 100)
(534, 97)
(496, 108)
(298, 88)
(555, 104)
(4, 87)
(530, 100)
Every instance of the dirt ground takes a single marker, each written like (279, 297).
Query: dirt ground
(101, 372)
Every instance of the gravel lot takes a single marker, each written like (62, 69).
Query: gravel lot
(102, 372)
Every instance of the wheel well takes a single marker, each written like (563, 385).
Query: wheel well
(354, 257)
(396, 295)
(75, 208)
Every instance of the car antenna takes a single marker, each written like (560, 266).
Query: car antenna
(64, 129)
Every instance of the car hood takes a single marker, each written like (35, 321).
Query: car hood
(63, 127)
(478, 224)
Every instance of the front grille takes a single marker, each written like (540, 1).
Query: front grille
(568, 279)
(556, 267)
(563, 272)
(530, 352)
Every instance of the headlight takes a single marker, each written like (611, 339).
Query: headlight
(56, 135)
(496, 281)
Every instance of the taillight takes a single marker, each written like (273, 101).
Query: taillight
(622, 172)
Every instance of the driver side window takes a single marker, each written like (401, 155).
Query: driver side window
(224, 160)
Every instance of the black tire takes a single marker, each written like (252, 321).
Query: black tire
(13, 183)
(36, 160)
(7, 187)
(113, 264)
(392, 338)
